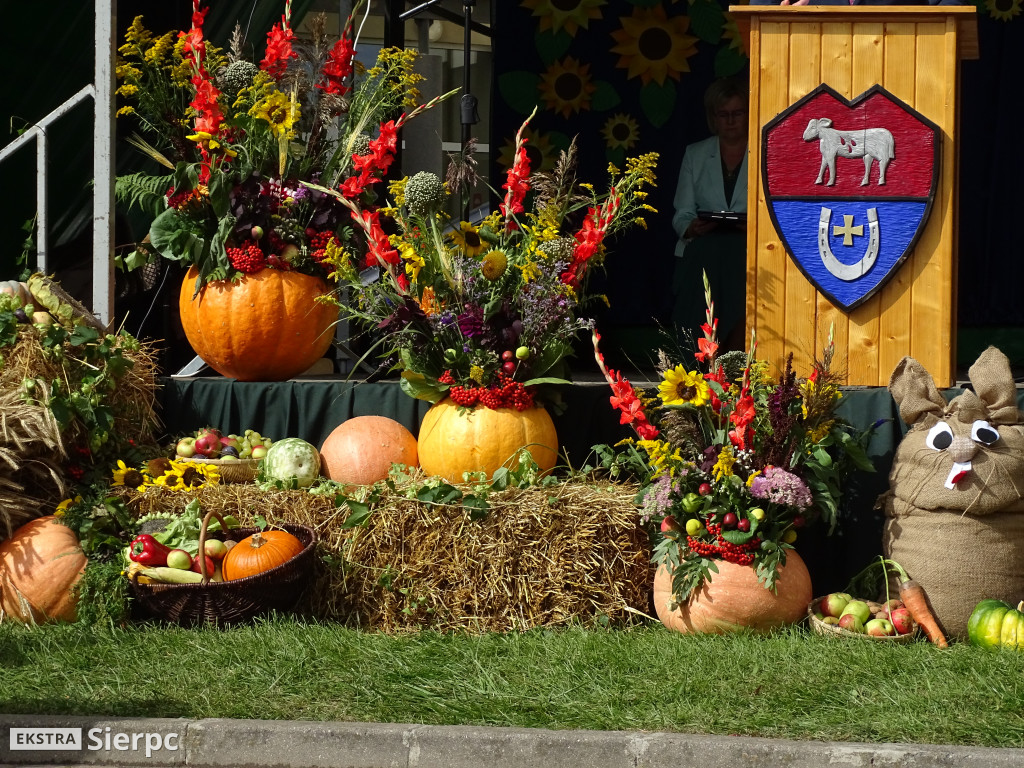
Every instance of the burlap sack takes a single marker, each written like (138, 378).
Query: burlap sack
(956, 491)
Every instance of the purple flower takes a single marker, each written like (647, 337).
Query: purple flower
(781, 487)
(658, 498)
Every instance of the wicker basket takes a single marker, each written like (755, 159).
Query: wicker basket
(231, 470)
(231, 602)
(822, 628)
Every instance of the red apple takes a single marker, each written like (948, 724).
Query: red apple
(851, 623)
(903, 621)
(834, 603)
(215, 548)
(704, 489)
(210, 565)
(729, 520)
(669, 523)
(743, 525)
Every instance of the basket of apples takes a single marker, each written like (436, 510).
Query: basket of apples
(840, 614)
(236, 457)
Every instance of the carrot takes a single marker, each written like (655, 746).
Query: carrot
(916, 601)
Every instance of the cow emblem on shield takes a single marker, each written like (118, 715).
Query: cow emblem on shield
(849, 186)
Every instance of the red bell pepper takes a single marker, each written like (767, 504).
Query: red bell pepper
(147, 551)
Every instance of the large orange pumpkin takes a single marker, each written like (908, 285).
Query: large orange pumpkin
(733, 599)
(360, 451)
(258, 553)
(39, 566)
(266, 327)
(483, 439)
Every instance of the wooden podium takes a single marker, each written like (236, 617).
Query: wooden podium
(913, 53)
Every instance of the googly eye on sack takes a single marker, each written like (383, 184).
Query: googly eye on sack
(984, 433)
(940, 436)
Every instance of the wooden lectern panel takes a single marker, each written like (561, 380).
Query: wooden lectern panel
(912, 52)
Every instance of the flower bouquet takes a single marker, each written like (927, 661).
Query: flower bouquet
(738, 462)
(239, 141)
(480, 316)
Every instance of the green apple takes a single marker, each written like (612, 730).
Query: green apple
(186, 447)
(757, 513)
(858, 608)
(694, 527)
(180, 559)
(258, 452)
(879, 628)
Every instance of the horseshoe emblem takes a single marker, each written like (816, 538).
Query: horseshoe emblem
(847, 272)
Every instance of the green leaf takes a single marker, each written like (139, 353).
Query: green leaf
(729, 61)
(418, 386)
(545, 380)
(359, 513)
(500, 479)
(519, 90)
(604, 97)
(706, 20)
(552, 45)
(478, 506)
(737, 537)
(658, 102)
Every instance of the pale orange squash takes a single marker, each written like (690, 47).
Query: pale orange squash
(483, 439)
(39, 567)
(266, 327)
(258, 553)
(360, 451)
(734, 599)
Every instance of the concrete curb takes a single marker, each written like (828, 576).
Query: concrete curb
(221, 743)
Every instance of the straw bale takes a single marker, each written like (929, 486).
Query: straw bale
(34, 451)
(541, 557)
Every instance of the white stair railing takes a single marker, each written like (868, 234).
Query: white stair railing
(101, 91)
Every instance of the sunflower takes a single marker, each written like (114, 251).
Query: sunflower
(566, 87)
(279, 111)
(620, 131)
(569, 15)
(170, 480)
(680, 386)
(64, 506)
(653, 46)
(731, 32)
(128, 477)
(1004, 10)
(467, 237)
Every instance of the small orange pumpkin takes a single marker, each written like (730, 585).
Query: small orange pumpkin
(258, 553)
(39, 567)
(360, 451)
(733, 599)
(483, 439)
(266, 327)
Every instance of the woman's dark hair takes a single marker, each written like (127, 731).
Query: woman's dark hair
(719, 92)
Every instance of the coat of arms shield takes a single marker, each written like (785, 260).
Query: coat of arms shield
(849, 186)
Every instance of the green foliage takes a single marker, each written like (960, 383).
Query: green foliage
(141, 190)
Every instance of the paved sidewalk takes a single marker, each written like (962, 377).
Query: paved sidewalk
(217, 743)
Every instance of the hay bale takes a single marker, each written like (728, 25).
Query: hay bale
(39, 459)
(541, 557)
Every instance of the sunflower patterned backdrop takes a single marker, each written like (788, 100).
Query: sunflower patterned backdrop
(624, 78)
(628, 76)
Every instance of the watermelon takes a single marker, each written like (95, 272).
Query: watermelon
(292, 459)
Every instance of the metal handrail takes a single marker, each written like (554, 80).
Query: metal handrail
(101, 91)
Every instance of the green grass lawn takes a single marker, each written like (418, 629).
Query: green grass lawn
(791, 684)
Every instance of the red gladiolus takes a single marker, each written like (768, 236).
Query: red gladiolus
(337, 68)
(279, 50)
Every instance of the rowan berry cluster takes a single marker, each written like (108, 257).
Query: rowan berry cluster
(740, 554)
(248, 259)
(318, 244)
(505, 394)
